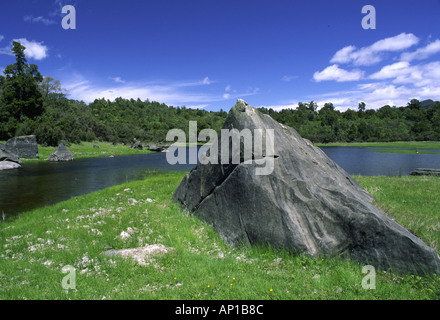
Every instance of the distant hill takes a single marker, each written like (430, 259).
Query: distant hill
(427, 103)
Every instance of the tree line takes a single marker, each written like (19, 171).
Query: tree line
(33, 104)
(416, 121)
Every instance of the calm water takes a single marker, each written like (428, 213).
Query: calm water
(364, 161)
(37, 184)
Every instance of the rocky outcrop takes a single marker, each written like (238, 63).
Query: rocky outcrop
(61, 154)
(6, 155)
(307, 203)
(155, 148)
(24, 146)
(137, 145)
(425, 172)
(8, 160)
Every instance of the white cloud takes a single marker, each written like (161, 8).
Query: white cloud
(288, 78)
(34, 50)
(117, 79)
(172, 93)
(377, 95)
(394, 84)
(345, 55)
(391, 71)
(422, 75)
(1, 37)
(58, 6)
(337, 74)
(39, 19)
(251, 91)
(187, 93)
(422, 53)
(370, 55)
(206, 81)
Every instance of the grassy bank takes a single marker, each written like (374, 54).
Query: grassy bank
(36, 246)
(86, 150)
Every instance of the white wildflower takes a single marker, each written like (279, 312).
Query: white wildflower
(132, 201)
(47, 263)
(124, 235)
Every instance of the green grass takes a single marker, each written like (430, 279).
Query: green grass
(413, 202)
(36, 246)
(86, 150)
(398, 144)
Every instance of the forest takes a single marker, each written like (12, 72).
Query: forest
(33, 104)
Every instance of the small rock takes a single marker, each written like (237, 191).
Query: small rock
(8, 165)
(141, 255)
(132, 202)
(61, 154)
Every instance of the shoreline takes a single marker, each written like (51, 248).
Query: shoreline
(394, 144)
(86, 150)
(38, 245)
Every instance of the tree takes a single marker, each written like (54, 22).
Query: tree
(20, 93)
(414, 104)
(362, 106)
(51, 89)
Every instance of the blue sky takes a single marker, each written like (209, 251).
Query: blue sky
(207, 54)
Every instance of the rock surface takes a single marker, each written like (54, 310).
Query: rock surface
(24, 146)
(7, 165)
(425, 172)
(307, 204)
(61, 154)
(6, 155)
(142, 255)
(137, 145)
(156, 148)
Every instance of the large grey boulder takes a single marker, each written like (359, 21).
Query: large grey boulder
(6, 155)
(23, 146)
(308, 203)
(61, 154)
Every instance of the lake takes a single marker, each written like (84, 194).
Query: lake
(38, 184)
